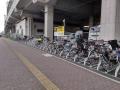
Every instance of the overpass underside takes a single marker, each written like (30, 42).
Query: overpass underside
(76, 13)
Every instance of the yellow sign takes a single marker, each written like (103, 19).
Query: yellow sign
(59, 31)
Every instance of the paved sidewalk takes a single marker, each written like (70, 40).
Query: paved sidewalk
(13, 74)
(65, 75)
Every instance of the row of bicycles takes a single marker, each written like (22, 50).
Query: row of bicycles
(100, 55)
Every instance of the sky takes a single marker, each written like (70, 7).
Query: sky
(3, 5)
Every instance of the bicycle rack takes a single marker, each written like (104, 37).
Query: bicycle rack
(86, 59)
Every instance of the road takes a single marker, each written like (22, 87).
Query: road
(27, 68)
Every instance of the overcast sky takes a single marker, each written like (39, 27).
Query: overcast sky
(3, 4)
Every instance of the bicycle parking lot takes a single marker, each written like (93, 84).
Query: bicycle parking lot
(96, 55)
(61, 72)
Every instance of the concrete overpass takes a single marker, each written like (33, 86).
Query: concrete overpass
(76, 12)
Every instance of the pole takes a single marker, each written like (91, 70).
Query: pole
(64, 24)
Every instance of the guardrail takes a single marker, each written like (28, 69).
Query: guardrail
(9, 5)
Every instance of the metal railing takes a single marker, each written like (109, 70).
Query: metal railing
(9, 5)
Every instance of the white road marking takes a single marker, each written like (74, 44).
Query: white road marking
(47, 55)
(113, 80)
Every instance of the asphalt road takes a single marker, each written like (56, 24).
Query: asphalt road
(26, 68)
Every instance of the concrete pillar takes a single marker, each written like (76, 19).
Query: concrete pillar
(91, 21)
(110, 20)
(29, 26)
(48, 28)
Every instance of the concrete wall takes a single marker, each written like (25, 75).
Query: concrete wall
(21, 28)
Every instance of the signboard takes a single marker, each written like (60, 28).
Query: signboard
(59, 31)
(94, 33)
